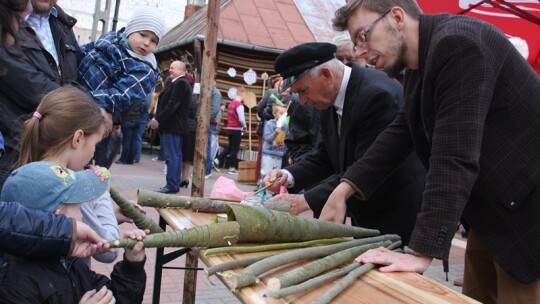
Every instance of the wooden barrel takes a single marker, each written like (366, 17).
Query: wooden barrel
(247, 172)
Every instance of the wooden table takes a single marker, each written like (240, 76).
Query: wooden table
(372, 287)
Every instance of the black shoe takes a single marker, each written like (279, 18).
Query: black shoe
(166, 190)
(184, 184)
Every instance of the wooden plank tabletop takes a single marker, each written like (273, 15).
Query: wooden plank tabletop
(372, 287)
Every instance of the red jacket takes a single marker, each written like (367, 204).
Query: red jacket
(233, 121)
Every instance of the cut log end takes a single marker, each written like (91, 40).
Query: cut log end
(273, 284)
(231, 279)
(235, 281)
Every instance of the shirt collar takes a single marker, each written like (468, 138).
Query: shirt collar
(53, 12)
(340, 99)
(176, 78)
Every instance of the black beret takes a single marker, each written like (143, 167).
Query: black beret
(296, 62)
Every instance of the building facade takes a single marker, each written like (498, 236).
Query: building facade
(83, 11)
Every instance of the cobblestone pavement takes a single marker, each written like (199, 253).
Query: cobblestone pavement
(148, 174)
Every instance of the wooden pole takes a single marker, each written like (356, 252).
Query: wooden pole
(203, 112)
(249, 134)
(264, 77)
(250, 101)
(190, 276)
(201, 138)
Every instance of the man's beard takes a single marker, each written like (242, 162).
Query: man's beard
(399, 65)
(42, 8)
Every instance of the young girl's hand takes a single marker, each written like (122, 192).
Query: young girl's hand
(137, 253)
(104, 175)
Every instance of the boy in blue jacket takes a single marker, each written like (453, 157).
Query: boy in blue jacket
(120, 67)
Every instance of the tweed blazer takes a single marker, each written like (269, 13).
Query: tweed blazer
(372, 100)
(472, 113)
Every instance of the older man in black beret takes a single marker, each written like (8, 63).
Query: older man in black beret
(356, 104)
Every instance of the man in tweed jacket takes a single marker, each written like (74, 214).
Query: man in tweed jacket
(472, 114)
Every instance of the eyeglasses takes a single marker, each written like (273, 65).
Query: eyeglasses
(361, 36)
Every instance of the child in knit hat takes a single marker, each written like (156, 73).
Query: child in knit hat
(120, 67)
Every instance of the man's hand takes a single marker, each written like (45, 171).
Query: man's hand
(88, 242)
(395, 261)
(121, 217)
(154, 124)
(298, 202)
(103, 296)
(108, 121)
(335, 207)
(272, 176)
(137, 253)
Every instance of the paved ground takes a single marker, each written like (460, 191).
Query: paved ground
(148, 175)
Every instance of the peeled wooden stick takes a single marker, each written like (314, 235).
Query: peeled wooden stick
(349, 279)
(154, 199)
(344, 283)
(249, 275)
(141, 220)
(314, 268)
(246, 249)
(234, 264)
(161, 200)
(212, 235)
(311, 283)
(319, 280)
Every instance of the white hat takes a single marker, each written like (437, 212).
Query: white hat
(146, 19)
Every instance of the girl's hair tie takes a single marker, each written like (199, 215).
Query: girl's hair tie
(37, 115)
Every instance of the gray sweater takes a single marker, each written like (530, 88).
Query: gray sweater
(99, 215)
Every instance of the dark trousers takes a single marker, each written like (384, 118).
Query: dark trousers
(259, 158)
(142, 127)
(130, 131)
(235, 136)
(107, 149)
(209, 156)
(172, 144)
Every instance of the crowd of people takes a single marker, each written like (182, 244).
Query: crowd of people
(58, 101)
(454, 142)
